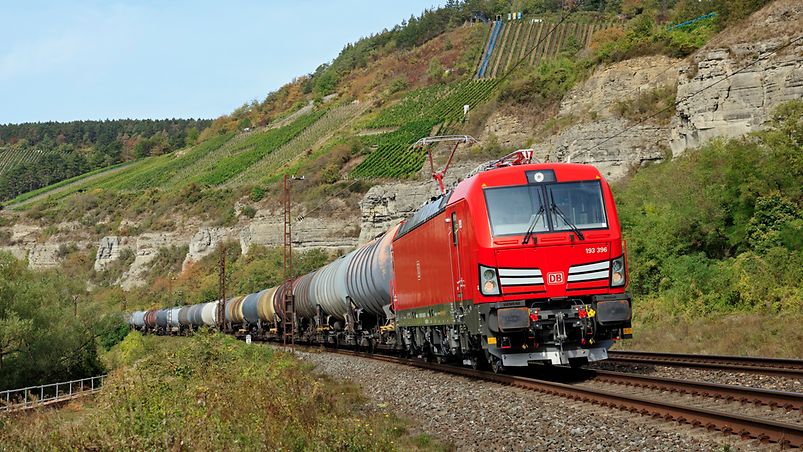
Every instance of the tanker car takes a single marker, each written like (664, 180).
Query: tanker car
(517, 264)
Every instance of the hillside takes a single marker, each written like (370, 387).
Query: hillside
(649, 104)
(36, 155)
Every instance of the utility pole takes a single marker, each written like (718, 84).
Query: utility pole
(289, 324)
(221, 304)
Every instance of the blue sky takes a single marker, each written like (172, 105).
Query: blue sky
(86, 59)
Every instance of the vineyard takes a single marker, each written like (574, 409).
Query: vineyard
(416, 114)
(330, 122)
(257, 147)
(158, 171)
(443, 103)
(11, 157)
(536, 41)
(394, 156)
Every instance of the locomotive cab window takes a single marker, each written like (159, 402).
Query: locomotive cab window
(515, 210)
(580, 202)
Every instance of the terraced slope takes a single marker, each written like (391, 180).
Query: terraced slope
(416, 115)
(333, 120)
(521, 37)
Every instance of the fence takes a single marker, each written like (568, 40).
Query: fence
(36, 396)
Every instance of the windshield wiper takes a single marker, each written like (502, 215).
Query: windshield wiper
(557, 210)
(531, 228)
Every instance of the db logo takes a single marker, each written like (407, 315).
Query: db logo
(554, 278)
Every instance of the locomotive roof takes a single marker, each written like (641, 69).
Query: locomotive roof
(499, 177)
(517, 175)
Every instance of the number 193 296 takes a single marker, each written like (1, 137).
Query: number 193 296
(597, 250)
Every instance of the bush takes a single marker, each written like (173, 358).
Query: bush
(257, 193)
(718, 229)
(643, 36)
(45, 335)
(212, 392)
(248, 211)
(546, 83)
(657, 104)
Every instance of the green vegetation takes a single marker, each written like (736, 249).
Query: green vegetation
(31, 194)
(36, 155)
(438, 103)
(48, 331)
(416, 114)
(719, 229)
(165, 168)
(657, 104)
(394, 155)
(212, 392)
(259, 145)
(546, 83)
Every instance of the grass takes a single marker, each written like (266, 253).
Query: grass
(26, 196)
(212, 392)
(730, 334)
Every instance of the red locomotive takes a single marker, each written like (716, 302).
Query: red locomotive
(519, 263)
(523, 263)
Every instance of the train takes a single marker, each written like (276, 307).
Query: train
(519, 263)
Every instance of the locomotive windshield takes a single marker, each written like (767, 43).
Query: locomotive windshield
(512, 210)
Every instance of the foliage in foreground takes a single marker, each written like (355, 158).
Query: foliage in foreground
(48, 332)
(212, 392)
(719, 229)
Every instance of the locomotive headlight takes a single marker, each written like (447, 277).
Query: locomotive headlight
(618, 271)
(489, 287)
(489, 282)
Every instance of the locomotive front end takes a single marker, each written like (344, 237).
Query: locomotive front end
(551, 266)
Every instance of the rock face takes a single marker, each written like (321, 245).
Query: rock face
(741, 103)
(267, 229)
(108, 251)
(612, 145)
(147, 247)
(205, 241)
(385, 205)
(605, 87)
(44, 255)
(508, 130)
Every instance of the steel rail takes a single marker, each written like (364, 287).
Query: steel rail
(745, 394)
(787, 435)
(782, 367)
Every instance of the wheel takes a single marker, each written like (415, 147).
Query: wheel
(496, 365)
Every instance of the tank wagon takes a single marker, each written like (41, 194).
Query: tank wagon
(517, 264)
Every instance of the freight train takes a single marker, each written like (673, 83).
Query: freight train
(519, 263)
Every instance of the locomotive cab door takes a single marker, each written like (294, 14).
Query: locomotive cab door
(454, 225)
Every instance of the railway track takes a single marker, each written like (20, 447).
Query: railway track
(780, 367)
(765, 415)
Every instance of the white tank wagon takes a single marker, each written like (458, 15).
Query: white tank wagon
(209, 313)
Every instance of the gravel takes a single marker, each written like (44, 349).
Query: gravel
(711, 376)
(477, 415)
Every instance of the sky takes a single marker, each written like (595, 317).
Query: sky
(85, 59)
